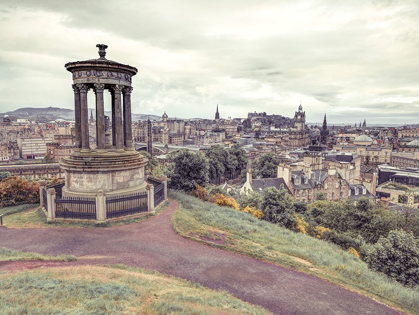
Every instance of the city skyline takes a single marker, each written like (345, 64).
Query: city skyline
(353, 62)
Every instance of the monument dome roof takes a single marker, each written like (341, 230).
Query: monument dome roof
(414, 143)
(363, 138)
(100, 63)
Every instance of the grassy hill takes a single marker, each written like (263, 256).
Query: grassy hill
(240, 232)
(111, 290)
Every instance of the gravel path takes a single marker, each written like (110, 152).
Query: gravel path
(153, 244)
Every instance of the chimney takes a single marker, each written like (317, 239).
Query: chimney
(249, 176)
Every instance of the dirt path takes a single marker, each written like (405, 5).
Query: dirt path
(153, 244)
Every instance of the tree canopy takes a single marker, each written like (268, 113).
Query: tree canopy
(266, 166)
(189, 169)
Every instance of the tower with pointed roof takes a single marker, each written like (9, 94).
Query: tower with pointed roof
(217, 114)
(300, 119)
(324, 133)
(91, 119)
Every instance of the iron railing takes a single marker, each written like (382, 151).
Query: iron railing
(129, 204)
(158, 194)
(75, 208)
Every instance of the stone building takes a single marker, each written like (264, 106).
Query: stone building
(405, 159)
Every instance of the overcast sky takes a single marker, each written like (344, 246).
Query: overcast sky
(349, 59)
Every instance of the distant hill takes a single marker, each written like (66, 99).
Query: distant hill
(52, 113)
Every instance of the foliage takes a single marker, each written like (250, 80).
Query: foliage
(213, 189)
(353, 251)
(278, 207)
(14, 191)
(396, 255)
(224, 162)
(300, 206)
(253, 211)
(266, 166)
(221, 200)
(320, 196)
(253, 199)
(189, 169)
(240, 155)
(152, 162)
(270, 242)
(4, 175)
(365, 219)
(200, 193)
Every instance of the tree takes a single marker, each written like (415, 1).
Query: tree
(278, 207)
(240, 154)
(189, 169)
(217, 157)
(266, 166)
(396, 255)
(152, 162)
(253, 200)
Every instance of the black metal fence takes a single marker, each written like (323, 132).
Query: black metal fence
(58, 189)
(158, 194)
(75, 208)
(44, 198)
(129, 204)
(154, 182)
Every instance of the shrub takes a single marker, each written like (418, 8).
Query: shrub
(353, 251)
(253, 211)
(278, 207)
(14, 191)
(397, 256)
(200, 193)
(221, 200)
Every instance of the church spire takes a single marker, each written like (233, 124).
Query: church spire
(217, 114)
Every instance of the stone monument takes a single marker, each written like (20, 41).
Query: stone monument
(113, 167)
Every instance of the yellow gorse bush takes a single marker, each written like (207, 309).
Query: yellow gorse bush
(253, 211)
(353, 251)
(221, 200)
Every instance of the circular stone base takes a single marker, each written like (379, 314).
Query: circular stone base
(112, 172)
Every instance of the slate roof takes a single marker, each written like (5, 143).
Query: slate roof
(360, 194)
(260, 184)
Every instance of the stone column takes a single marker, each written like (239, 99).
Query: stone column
(113, 118)
(77, 115)
(100, 207)
(165, 187)
(84, 88)
(51, 205)
(42, 186)
(119, 131)
(150, 198)
(100, 118)
(127, 119)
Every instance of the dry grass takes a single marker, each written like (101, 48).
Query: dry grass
(111, 290)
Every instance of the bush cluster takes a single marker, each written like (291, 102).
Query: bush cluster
(386, 240)
(15, 191)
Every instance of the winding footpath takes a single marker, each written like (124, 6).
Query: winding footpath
(153, 244)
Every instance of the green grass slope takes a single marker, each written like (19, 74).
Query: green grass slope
(243, 233)
(12, 255)
(111, 290)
